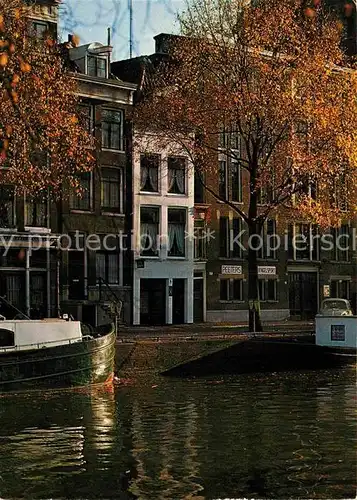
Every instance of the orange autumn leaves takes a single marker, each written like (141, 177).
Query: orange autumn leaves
(261, 69)
(43, 143)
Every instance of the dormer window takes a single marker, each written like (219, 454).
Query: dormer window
(97, 66)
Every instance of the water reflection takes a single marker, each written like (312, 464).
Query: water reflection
(277, 436)
(57, 443)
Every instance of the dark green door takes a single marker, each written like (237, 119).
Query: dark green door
(303, 294)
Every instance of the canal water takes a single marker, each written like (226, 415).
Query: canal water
(263, 436)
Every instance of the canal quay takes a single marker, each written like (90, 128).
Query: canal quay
(275, 435)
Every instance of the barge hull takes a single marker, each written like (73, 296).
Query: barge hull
(72, 365)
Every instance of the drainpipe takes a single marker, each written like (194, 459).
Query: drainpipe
(27, 281)
(48, 276)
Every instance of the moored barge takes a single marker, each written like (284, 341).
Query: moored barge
(54, 353)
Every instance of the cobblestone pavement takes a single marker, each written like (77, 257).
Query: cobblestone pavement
(212, 330)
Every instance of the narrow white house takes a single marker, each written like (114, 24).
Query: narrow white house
(163, 230)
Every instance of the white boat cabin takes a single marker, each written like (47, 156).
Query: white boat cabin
(33, 334)
(336, 331)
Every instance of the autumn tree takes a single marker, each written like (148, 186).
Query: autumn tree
(43, 143)
(270, 75)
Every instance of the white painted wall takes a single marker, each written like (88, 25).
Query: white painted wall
(323, 330)
(163, 266)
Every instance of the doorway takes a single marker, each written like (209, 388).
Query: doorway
(178, 301)
(152, 301)
(76, 290)
(198, 300)
(303, 292)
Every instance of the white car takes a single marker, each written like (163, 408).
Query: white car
(336, 307)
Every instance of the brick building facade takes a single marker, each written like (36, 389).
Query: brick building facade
(89, 281)
(209, 279)
(292, 282)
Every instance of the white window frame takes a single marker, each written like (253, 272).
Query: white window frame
(26, 213)
(177, 257)
(185, 169)
(159, 167)
(97, 57)
(158, 254)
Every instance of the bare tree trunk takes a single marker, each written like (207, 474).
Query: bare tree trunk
(255, 324)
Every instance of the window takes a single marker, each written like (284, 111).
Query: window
(310, 188)
(303, 242)
(7, 206)
(36, 213)
(265, 195)
(85, 117)
(97, 66)
(268, 251)
(222, 138)
(176, 226)
(231, 289)
(176, 175)
(149, 173)
(107, 267)
(222, 188)
(200, 247)
(267, 290)
(236, 242)
(236, 174)
(38, 295)
(236, 142)
(230, 241)
(341, 243)
(199, 189)
(339, 193)
(111, 189)
(340, 289)
(149, 231)
(223, 237)
(39, 29)
(112, 129)
(82, 201)
(12, 287)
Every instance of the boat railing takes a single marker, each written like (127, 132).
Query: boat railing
(18, 311)
(50, 343)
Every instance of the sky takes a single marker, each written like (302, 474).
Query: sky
(89, 19)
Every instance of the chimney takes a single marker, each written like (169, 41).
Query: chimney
(162, 42)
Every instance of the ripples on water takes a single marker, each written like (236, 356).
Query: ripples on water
(268, 436)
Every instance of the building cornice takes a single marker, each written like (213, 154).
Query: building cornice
(104, 81)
